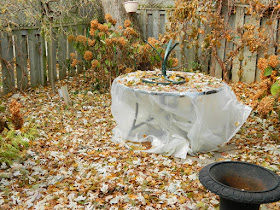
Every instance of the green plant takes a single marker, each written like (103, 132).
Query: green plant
(11, 146)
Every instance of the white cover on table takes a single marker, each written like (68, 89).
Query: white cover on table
(177, 123)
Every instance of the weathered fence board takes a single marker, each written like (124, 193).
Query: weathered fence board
(236, 64)
(62, 47)
(34, 56)
(249, 58)
(7, 63)
(152, 22)
(52, 56)
(21, 59)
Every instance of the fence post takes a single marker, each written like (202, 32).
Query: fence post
(42, 59)
(52, 60)
(52, 45)
(236, 63)
(62, 53)
(21, 58)
(7, 63)
(34, 57)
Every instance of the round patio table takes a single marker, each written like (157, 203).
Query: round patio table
(199, 116)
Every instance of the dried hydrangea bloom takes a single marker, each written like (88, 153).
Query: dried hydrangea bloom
(94, 63)
(127, 23)
(259, 93)
(71, 38)
(130, 32)
(94, 24)
(74, 62)
(273, 61)
(92, 32)
(266, 84)
(82, 39)
(108, 42)
(88, 55)
(175, 62)
(108, 17)
(122, 41)
(274, 75)
(113, 21)
(91, 42)
(114, 39)
(266, 105)
(103, 28)
(254, 104)
(72, 55)
(262, 64)
(153, 41)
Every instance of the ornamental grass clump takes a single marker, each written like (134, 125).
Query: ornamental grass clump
(269, 93)
(110, 52)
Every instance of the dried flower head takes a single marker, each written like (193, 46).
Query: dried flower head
(127, 23)
(108, 42)
(103, 28)
(108, 17)
(91, 42)
(273, 61)
(266, 84)
(81, 39)
(71, 38)
(130, 32)
(72, 55)
(92, 32)
(94, 63)
(74, 62)
(88, 55)
(266, 105)
(94, 24)
(113, 21)
(262, 64)
(120, 27)
(175, 62)
(153, 41)
(122, 41)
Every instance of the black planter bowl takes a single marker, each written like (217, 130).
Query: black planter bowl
(241, 185)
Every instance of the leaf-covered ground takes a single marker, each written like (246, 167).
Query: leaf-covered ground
(74, 165)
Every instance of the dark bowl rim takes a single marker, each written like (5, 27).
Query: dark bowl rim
(245, 163)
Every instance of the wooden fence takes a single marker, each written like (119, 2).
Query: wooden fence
(26, 56)
(242, 68)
